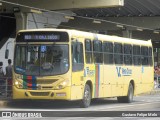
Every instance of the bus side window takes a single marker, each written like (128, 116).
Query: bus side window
(127, 54)
(88, 51)
(136, 55)
(97, 51)
(118, 53)
(108, 52)
(77, 56)
(150, 57)
(21, 60)
(144, 55)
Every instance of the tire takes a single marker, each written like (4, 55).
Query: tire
(85, 102)
(129, 97)
(120, 99)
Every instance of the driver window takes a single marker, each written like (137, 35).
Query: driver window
(77, 56)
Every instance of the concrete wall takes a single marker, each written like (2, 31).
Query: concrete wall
(44, 20)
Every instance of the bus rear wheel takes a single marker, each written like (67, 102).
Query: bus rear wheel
(85, 102)
(129, 97)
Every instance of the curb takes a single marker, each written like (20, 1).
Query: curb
(3, 103)
(153, 92)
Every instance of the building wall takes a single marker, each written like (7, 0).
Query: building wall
(44, 20)
(10, 46)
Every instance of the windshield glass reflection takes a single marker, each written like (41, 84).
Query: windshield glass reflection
(41, 59)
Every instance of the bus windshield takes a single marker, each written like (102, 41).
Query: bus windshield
(42, 60)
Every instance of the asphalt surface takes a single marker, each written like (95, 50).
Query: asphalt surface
(108, 108)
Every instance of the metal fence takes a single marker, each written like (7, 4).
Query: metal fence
(5, 87)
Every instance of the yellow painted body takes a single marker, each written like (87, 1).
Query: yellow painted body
(104, 78)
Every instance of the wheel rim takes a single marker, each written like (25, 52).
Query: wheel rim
(87, 96)
(131, 93)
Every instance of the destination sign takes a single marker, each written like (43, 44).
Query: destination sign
(42, 36)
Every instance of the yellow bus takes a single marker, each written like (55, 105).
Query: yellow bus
(62, 64)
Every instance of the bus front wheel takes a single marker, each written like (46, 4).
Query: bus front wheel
(129, 97)
(85, 102)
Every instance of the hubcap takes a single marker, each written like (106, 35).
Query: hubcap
(131, 94)
(87, 96)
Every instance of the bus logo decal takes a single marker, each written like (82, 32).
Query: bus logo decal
(142, 69)
(88, 72)
(123, 71)
(118, 71)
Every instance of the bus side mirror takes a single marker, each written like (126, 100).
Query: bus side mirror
(6, 54)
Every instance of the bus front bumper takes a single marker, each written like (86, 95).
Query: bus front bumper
(63, 94)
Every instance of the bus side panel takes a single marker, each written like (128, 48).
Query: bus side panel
(136, 74)
(76, 92)
(108, 78)
(99, 81)
(77, 85)
(117, 81)
(89, 75)
(127, 79)
(94, 73)
(147, 79)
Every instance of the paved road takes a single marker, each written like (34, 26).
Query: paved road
(147, 102)
(140, 103)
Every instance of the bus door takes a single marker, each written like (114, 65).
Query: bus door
(77, 70)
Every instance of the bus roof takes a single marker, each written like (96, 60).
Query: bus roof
(93, 36)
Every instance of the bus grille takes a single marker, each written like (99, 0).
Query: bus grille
(47, 87)
(46, 81)
(39, 93)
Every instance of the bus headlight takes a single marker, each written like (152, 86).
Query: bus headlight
(18, 84)
(62, 84)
